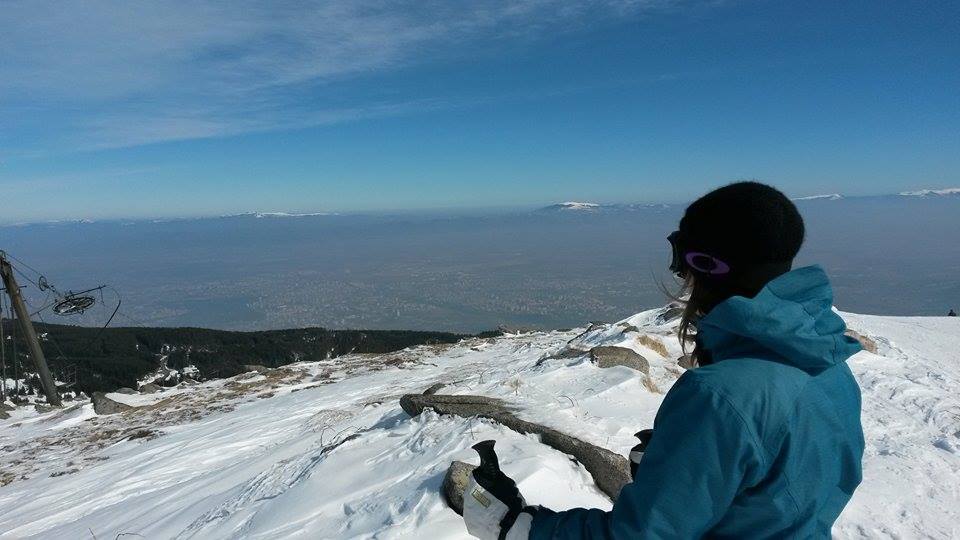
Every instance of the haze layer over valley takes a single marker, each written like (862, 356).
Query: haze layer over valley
(557, 267)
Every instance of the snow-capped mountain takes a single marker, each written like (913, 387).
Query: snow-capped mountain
(949, 192)
(594, 208)
(262, 215)
(573, 206)
(827, 197)
(323, 449)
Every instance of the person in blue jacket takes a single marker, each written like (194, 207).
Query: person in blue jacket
(762, 439)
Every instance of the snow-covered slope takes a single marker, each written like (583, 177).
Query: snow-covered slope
(323, 450)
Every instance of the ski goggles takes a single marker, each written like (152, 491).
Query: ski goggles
(683, 261)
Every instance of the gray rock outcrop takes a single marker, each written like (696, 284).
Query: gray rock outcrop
(455, 483)
(104, 405)
(150, 388)
(511, 329)
(414, 404)
(669, 314)
(256, 367)
(434, 388)
(562, 354)
(610, 471)
(606, 356)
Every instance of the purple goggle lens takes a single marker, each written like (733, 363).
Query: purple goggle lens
(708, 264)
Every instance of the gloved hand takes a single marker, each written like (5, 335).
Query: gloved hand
(493, 508)
(636, 453)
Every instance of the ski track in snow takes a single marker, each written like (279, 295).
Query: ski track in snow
(323, 450)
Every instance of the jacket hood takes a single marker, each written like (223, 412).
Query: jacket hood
(791, 321)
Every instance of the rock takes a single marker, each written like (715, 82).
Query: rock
(324, 375)
(630, 328)
(608, 356)
(41, 408)
(669, 314)
(434, 388)
(568, 352)
(104, 405)
(455, 483)
(610, 471)
(563, 354)
(4, 414)
(140, 433)
(150, 388)
(125, 391)
(509, 329)
(414, 404)
(5, 407)
(256, 367)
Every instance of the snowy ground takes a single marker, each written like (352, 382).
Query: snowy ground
(322, 450)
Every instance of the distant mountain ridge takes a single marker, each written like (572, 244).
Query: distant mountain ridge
(829, 197)
(262, 215)
(568, 207)
(580, 207)
(573, 205)
(587, 207)
(948, 192)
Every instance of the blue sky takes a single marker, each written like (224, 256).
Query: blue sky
(130, 109)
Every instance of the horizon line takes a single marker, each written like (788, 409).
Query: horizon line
(583, 206)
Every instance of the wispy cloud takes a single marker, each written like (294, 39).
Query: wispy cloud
(119, 73)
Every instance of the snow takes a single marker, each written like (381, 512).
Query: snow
(929, 192)
(573, 205)
(323, 450)
(262, 215)
(829, 197)
(911, 417)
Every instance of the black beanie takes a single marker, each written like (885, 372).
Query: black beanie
(752, 227)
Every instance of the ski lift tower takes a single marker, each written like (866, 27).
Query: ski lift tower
(23, 317)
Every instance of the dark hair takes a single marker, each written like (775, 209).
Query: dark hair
(750, 226)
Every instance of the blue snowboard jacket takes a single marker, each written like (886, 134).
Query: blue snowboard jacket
(765, 442)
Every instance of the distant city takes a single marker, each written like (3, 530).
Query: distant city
(560, 266)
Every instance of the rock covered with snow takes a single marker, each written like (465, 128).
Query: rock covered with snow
(105, 405)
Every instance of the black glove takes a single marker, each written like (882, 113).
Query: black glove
(637, 451)
(493, 508)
